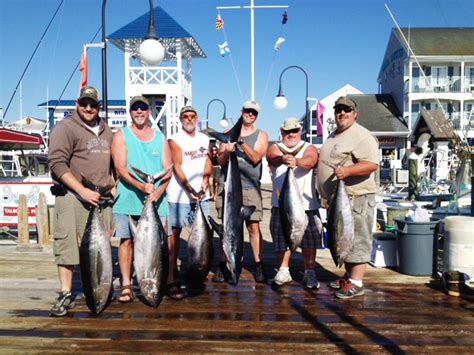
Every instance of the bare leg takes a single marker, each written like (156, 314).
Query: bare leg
(125, 254)
(255, 237)
(65, 273)
(357, 271)
(173, 247)
(284, 258)
(309, 258)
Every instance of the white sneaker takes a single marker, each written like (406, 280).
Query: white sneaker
(283, 276)
(309, 279)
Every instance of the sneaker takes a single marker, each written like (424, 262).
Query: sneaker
(222, 274)
(309, 280)
(349, 290)
(260, 276)
(64, 302)
(337, 284)
(283, 276)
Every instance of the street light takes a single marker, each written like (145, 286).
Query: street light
(224, 120)
(281, 102)
(151, 51)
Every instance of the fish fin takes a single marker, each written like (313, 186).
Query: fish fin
(217, 227)
(144, 177)
(133, 227)
(246, 212)
(231, 135)
(160, 175)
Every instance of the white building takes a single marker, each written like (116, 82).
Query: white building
(436, 74)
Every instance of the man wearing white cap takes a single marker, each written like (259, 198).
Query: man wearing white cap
(191, 171)
(251, 148)
(293, 153)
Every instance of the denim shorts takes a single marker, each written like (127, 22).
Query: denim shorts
(122, 227)
(182, 214)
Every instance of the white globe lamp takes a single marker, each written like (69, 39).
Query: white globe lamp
(151, 51)
(280, 102)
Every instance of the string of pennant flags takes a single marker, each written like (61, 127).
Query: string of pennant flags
(224, 47)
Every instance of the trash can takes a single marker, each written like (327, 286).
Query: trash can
(415, 246)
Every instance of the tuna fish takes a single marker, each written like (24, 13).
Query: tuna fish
(232, 229)
(200, 247)
(96, 258)
(150, 247)
(293, 217)
(340, 224)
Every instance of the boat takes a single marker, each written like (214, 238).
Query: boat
(23, 170)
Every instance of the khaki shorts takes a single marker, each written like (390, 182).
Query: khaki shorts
(363, 208)
(70, 218)
(250, 197)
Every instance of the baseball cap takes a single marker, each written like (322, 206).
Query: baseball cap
(187, 109)
(139, 98)
(290, 123)
(251, 105)
(89, 92)
(345, 101)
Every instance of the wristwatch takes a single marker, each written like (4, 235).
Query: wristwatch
(240, 141)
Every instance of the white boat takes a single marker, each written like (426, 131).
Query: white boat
(23, 170)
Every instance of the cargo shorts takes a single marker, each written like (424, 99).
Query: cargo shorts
(70, 219)
(363, 210)
(250, 197)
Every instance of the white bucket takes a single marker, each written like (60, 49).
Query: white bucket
(459, 244)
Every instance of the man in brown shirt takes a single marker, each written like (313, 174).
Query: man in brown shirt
(79, 146)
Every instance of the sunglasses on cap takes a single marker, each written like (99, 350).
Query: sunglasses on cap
(93, 105)
(141, 106)
(294, 130)
(250, 110)
(346, 109)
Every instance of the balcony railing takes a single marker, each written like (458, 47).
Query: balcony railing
(437, 84)
(156, 76)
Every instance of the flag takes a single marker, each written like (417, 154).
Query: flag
(219, 23)
(284, 17)
(279, 42)
(83, 69)
(224, 49)
(320, 112)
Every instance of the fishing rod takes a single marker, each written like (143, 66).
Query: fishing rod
(31, 58)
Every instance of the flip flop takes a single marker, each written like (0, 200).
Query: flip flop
(126, 294)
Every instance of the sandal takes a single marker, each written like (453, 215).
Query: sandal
(175, 292)
(126, 294)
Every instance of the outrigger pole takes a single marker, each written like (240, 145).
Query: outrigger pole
(252, 35)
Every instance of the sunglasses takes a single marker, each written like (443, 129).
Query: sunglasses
(250, 110)
(142, 107)
(294, 130)
(345, 109)
(93, 105)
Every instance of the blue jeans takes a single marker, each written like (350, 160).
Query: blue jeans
(182, 214)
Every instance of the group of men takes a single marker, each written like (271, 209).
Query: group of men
(83, 146)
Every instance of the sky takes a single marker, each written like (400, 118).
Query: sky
(336, 42)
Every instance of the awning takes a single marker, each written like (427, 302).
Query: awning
(12, 140)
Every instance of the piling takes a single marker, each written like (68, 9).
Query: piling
(42, 220)
(23, 227)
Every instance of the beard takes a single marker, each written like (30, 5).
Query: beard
(189, 127)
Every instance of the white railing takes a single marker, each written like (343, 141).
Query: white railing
(437, 84)
(157, 76)
(469, 85)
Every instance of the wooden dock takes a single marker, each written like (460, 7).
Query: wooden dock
(398, 313)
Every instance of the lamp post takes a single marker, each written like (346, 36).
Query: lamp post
(224, 120)
(151, 51)
(281, 102)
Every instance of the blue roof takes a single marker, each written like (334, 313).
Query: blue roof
(72, 103)
(167, 29)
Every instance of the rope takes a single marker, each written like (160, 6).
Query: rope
(31, 58)
(232, 62)
(270, 71)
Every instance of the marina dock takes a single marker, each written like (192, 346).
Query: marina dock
(398, 313)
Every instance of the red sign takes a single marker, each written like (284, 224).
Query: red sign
(13, 211)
